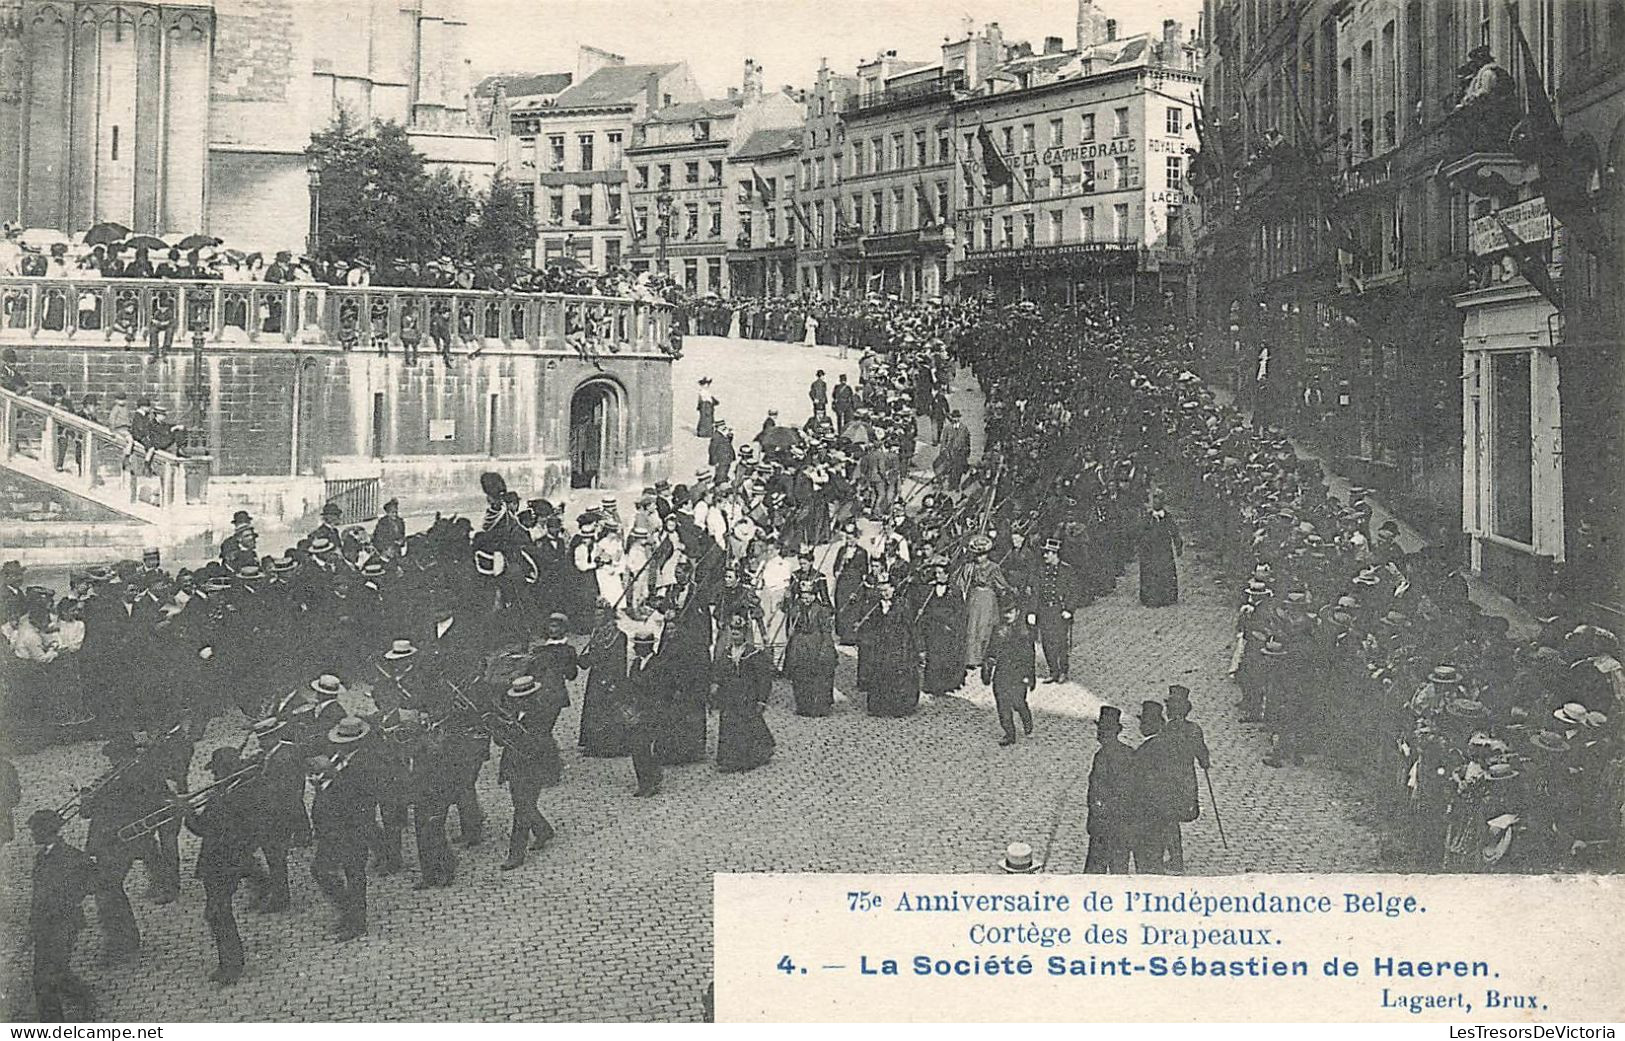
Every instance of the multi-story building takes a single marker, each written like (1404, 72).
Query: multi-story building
(1098, 142)
(763, 170)
(184, 117)
(821, 184)
(894, 232)
(687, 206)
(679, 192)
(578, 140)
(1417, 270)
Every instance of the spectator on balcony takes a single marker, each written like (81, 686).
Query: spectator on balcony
(162, 435)
(254, 267)
(161, 324)
(411, 334)
(11, 372)
(59, 266)
(139, 266)
(11, 251)
(169, 266)
(118, 414)
(440, 330)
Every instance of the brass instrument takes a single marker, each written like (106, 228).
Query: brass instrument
(330, 767)
(75, 803)
(191, 803)
(504, 730)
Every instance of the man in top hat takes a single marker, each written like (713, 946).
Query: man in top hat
(1110, 797)
(1157, 793)
(1189, 752)
(61, 879)
(1010, 668)
(227, 824)
(648, 697)
(1055, 594)
(342, 816)
(953, 452)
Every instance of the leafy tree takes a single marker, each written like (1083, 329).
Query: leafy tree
(505, 227)
(380, 203)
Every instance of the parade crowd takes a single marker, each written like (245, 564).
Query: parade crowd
(376, 670)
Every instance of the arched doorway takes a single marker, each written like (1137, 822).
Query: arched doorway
(595, 433)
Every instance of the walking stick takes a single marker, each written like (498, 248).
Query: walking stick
(1055, 820)
(1215, 804)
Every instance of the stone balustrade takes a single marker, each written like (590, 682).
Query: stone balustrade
(89, 459)
(157, 312)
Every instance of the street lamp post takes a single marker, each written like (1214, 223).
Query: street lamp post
(313, 239)
(663, 228)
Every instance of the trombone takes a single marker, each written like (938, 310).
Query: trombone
(191, 803)
(75, 802)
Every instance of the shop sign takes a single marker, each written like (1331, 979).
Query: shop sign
(1530, 221)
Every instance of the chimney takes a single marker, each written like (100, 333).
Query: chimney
(752, 88)
(1052, 45)
(651, 93)
(1111, 29)
(1092, 25)
(1172, 32)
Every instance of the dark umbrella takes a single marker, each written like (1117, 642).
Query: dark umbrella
(779, 437)
(197, 242)
(106, 233)
(146, 242)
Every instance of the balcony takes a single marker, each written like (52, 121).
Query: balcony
(121, 313)
(941, 87)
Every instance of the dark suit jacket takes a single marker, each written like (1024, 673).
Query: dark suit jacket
(1111, 790)
(62, 879)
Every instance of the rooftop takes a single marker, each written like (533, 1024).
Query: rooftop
(613, 84)
(523, 84)
(771, 141)
(689, 111)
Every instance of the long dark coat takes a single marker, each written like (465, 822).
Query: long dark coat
(851, 566)
(603, 729)
(1159, 578)
(743, 739)
(809, 658)
(887, 650)
(939, 630)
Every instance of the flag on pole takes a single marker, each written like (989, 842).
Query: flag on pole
(996, 170)
(762, 188)
(1531, 264)
(802, 219)
(1539, 128)
(928, 213)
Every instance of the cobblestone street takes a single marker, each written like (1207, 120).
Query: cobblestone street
(612, 920)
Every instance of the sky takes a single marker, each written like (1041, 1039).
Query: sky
(787, 37)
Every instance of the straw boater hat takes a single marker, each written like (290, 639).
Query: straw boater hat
(1018, 859)
(980, 544)
(399, 649)
(523, 686)
(347, 730)
(1550, 741)
(1274, 648)
(1445, 675)
(327, 685)
(1572, 713)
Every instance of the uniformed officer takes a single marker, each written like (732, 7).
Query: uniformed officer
(1009, 667)
(1055, 595)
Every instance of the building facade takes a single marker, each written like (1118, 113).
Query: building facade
(173, 118)
(764, 170)
(820, 188)
(1407, 271)
(694, 200)
(1098, 143)
(576, 143)
(680, 210)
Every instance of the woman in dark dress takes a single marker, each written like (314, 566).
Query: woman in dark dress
(939, 630)
(1159, 543)
(851, 568)
(809, 657)
(888, 645)
(603, 729)
(743, 677)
